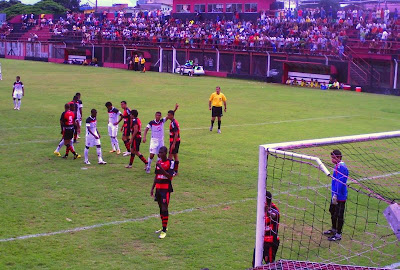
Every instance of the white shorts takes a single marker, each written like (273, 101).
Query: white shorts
(155, 146)
(92, 141)
(17, 96)
(112, 130)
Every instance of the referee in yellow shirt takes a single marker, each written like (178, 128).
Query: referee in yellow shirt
(215, 106)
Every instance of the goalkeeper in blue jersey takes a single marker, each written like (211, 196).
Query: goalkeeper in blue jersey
(339, 196)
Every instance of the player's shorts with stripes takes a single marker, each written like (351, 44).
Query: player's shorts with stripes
(112, 130)
(68, 133)
(176, 149)
(216, 111)
(92, 141)
(155, 145)
(162, 196)
(17, 96)
(136, 144)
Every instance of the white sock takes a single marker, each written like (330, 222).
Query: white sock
(116, 143)
(112, 143)
(149, 160)
(19, 103)
(60, 145)
(99, 154)
(86, 152)
(15, 103)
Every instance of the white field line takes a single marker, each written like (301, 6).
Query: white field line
(198, 128)
(85, 228)
(239, 125)
(393, 266)
(189, 210)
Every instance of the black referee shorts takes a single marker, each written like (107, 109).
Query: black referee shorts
(216, 111)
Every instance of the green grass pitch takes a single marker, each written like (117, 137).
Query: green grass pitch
(41, 193)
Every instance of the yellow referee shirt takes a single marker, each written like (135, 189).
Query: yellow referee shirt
(217, 100)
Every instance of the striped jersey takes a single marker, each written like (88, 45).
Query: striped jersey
(164, 183)
(271, 224)
(68, 119)
(137, 122)
(126, 116)
(174, 129)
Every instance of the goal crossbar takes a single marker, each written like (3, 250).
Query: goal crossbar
(281, 148)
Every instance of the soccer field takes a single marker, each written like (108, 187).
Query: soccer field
(212, 224)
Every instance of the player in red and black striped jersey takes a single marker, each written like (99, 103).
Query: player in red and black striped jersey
(163, 184)
(174, 139)
(68, 123)
(75, 107)
(126, 127)
(136, 139)
(271, 238)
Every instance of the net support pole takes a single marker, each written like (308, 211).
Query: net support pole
(260, 227)
(217, 59)
(173, 59)
(160, 68)
(396, 66)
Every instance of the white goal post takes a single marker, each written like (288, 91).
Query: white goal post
(284, 149)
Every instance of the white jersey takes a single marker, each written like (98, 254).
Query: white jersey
(91, 124)
(79, 106)
(157, 129)
(113, 115)
(18, 87)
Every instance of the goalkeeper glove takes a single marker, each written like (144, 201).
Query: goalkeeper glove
(334, 199)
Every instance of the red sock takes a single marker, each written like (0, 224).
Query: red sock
(164, 221)
(176, 166)
(127, 146)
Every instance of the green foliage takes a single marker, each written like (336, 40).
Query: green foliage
(72, 5)
(42, 7)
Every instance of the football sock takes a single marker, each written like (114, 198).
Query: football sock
(212, 123)
(132, 158)
(149, 160)
(112, 143)
(67, 146)
(164, 219)
(176, 166)
(99, 155)
(86, 152)
(19, 104)
(127, 145)
(60, 145)
(15, 103)
(142, 158)
(219, 124)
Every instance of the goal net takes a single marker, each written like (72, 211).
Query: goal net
(298, 175)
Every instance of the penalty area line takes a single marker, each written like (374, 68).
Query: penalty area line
(132, 220)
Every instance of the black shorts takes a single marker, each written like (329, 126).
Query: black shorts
(176, 149)
(216, 111)
(162, 196)
(126, 131)
(136, 144)
(270, 250)
(68, 134)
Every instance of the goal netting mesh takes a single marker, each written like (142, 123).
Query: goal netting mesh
(296, 175)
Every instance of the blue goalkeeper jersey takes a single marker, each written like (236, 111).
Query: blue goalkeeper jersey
(339, 180)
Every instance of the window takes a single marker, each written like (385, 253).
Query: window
(250, 7)
(215, 8)
(234, 8)
(200, 8)
(182, 8)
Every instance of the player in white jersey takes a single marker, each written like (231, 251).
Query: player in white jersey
(157, 136)
(17, 93)
(93, 137)
(113, 114)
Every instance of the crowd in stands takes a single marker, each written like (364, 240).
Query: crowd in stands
(332, 84)
(290, 30)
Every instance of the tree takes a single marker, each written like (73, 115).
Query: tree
(72, 5)
(42, 7)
